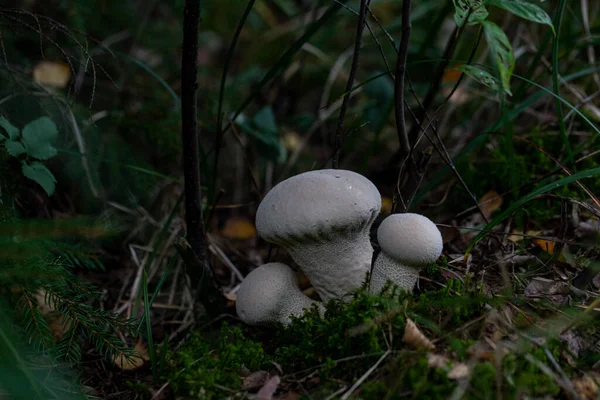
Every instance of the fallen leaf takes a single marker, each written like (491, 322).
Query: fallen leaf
(59, 326)
(386, 205)
(414, 337)
(268, 389)
(546, 245)
(255, 380)
(51, 74)
(451, 75)
(455, 370)
(556, 292)
(490, 202)
(291, 141)
(137, 359)
(516, 237)
(586, 387)
(238, 228)
(231, 298)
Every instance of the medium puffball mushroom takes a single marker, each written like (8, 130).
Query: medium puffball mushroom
(322, 218)
(270, 294)
(408, 243)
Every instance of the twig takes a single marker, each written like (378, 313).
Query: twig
(399, 82)
(357, 43)
(365, 376)
(194, 254)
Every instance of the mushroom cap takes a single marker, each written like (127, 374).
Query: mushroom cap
(411, 239)
(316, 204)
(270, 294)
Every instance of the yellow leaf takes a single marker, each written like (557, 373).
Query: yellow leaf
(139, 356)
(546, 245)
(51, 74)
(518, 236)
(386, 205)
(291, 140)
(238, 228)
(490, 202)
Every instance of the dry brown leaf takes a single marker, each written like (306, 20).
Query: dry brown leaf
(556, 292)
(139, 356)
(59, 326)
(52, 74)
(255, 380)
(414, 337)
(269, 388)
(586, 387)
(231, 298)
(490, 202)
(238, 228)
(455, 370)
(546, 245)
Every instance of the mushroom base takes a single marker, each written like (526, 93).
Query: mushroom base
(386, 268)
(336, 267)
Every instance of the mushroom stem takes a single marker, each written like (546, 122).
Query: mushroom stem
(386, 268)
(320, 262)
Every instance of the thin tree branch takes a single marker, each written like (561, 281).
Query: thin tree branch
(357, 43)
(197, 265)
(399, 81)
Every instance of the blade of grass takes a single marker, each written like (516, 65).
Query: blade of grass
(219, 136)
(286, 58)
(161, 236)
(532, 195)
(160, 284)
(555, 86)
(482, 139)
(155, 76)
(151, 350)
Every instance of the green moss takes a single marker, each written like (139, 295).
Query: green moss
(202, 365)
(352, 337)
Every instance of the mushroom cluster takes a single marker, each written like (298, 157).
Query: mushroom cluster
(323, 219)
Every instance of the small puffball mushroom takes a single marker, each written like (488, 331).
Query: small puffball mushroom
(408, 243)
(322, 218)
(270, 294)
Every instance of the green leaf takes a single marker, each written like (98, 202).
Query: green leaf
(13, 131)
(481, 76)
(471, 12)
(14, 147)
(544, 189)
(525, 10)
(38, 172)
(264, 120)
(502, 52)
(39, 136)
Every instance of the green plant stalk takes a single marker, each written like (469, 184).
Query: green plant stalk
(555, 84)
(161, 235)
(151, 350)
(528, 197)
(219, 137)
(482, 139)
(286, 58)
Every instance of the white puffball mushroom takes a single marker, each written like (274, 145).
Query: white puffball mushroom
(270, 294)
(408, 243)
(323, 218)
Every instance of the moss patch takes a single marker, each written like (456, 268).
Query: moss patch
(352, 336)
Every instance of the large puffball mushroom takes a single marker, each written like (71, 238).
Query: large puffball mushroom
(408, 243)
(270, 294)
(322, 218)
